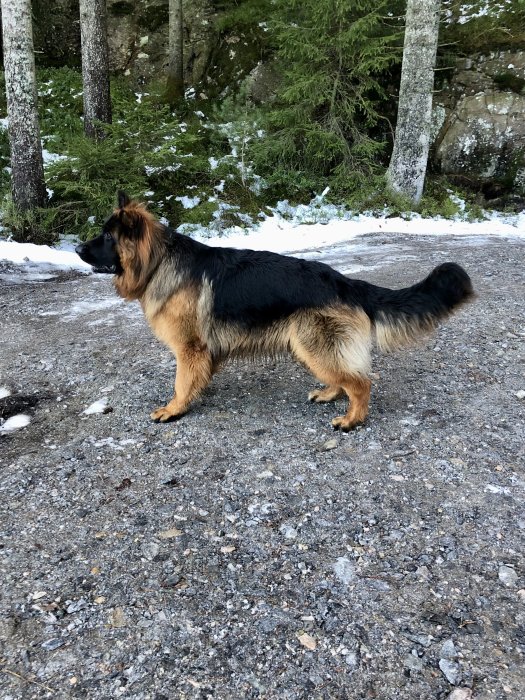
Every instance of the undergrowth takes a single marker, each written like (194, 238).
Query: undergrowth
(190, 168)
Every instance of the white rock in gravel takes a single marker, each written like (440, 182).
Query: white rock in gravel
(4, 392)
(329, 445)
(352, 659)
(344, 570)
(288, 531)
(507, 575)
(520, 394)
(460, 694)
(150, 550)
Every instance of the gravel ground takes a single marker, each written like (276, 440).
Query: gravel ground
(248, 551)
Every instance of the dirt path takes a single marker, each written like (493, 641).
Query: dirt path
(248, 551)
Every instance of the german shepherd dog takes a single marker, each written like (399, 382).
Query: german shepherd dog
(210, 304)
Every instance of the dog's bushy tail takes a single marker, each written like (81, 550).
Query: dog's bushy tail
(401, 316)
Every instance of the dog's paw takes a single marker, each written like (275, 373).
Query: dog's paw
(329, 393)
(344, 424)
(164, 415)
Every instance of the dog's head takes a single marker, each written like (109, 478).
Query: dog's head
(103, 251)
(127, 246)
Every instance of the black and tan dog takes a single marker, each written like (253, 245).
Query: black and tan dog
(209, 304)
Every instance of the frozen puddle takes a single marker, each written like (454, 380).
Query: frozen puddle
(83, 308)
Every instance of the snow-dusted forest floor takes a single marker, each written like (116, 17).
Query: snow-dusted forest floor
(248, 551)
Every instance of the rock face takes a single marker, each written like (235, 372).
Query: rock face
(138, 41)
(483, 132)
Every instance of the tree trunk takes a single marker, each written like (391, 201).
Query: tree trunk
(27, 169)
(406, 173)
(95, 66)
(175, 81)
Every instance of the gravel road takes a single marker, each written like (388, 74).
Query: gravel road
(248, 551)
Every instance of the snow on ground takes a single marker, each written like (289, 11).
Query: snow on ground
(299, 229)
(42, 257)
(15, 423)
(100, 406)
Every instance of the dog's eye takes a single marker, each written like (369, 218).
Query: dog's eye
(107, 235)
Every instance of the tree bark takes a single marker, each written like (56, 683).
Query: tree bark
(406, 173)
(95, 66)
(175, 80)
(27, 169)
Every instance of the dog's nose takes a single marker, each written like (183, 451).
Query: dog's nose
(80, 249)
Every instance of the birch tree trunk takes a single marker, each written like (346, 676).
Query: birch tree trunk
(95, 66)
(27, 170)
(175, 81)
(406, 172)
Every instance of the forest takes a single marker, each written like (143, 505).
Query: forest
(214, 112)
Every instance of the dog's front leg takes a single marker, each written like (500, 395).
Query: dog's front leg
(194, 371)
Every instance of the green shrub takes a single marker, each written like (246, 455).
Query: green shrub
(325, 126)
(42, 225)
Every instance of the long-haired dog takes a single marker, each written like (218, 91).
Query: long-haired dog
(210, 304)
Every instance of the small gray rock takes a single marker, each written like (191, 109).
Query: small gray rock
(52, 644)
(76, 606)
(289, 532)
(448, 650)
(329, 445)
(414, 663)
(450, 670)
(150, 550)
(507, 575)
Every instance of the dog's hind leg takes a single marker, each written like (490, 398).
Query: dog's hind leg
(194, 370)
(334, 344)
(358, 390)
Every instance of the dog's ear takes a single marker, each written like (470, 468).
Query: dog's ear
(123, 199)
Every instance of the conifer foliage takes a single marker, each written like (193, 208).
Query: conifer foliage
(333, 56)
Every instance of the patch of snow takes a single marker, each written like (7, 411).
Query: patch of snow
(28, 255)
(290, 229)
(15, 423)
(49, 157)
(99, 406)
(188, 202)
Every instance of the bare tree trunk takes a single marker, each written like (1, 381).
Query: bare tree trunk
(406, 173)
(175, 81)
(27, 170)
(95, 66)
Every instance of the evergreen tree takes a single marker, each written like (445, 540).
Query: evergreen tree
(333, 56)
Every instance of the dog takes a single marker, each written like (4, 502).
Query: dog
(211, 304)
